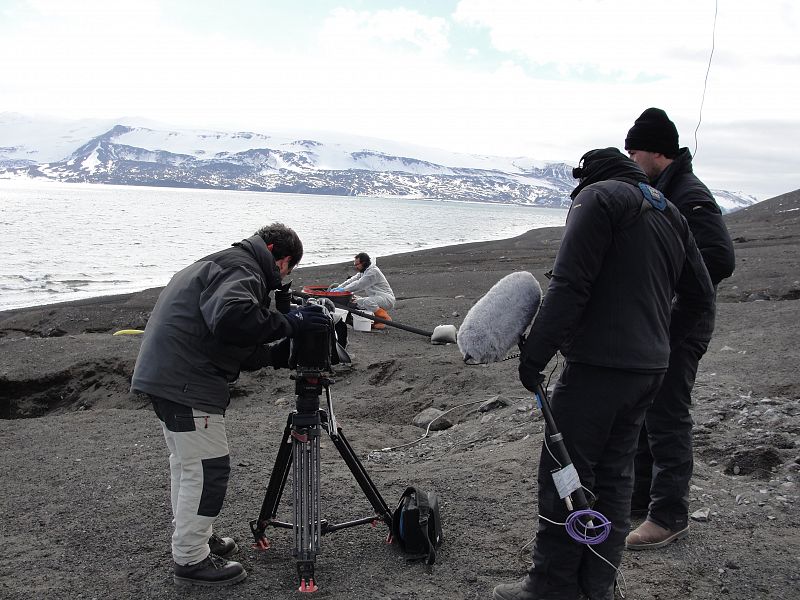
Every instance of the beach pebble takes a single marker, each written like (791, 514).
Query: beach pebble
(432, 416)
(491, 403)
(701, 515)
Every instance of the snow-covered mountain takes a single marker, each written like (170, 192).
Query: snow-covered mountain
(730, 201)
(131, 152)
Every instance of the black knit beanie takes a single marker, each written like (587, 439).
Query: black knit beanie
(653, 132)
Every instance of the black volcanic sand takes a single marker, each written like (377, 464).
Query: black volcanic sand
(85, 483)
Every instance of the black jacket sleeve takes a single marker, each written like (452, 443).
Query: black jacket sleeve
(694, 292)
(710, 234)
(587, 235)
(698, 206)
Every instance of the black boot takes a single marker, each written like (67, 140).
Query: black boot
(520, 590)
(222, 546)
(214, 570)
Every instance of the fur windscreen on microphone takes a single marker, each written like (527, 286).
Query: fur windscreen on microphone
(496, 322)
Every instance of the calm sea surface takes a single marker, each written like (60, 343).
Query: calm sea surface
(70, 241)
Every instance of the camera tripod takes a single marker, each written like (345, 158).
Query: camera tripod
(300, 452)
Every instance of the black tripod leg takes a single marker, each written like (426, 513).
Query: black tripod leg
(277, 483)
(363, 479)
(307, 524)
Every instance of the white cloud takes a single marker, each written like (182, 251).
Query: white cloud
(354, 30)
(559, 77)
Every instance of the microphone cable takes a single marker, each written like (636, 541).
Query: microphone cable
(620, 583)
(427, 429)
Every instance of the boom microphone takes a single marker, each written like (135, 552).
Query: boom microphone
(497, 321)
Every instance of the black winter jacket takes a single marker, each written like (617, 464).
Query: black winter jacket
(207, 321)
(619, 266)
(682, 187)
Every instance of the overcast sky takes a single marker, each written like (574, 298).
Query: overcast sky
(546, 79)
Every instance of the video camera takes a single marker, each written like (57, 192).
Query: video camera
(318, 351)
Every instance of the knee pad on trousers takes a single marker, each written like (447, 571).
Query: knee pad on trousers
(216, 472)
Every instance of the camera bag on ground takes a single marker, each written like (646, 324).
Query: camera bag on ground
(416, 525)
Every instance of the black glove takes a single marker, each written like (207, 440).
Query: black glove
(279, 354)
(275, 354)
(283, 298)
(311, 318)
(531, 378)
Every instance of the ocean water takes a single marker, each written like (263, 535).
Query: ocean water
(62, 242)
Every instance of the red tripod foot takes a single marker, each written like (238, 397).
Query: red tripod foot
(261, 544)
(307, 586)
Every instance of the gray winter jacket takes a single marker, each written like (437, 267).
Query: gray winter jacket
(207, 321)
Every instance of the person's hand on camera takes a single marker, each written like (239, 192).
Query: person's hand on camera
(283, 298)
(275, 354)
(311, 318)
(531, 378)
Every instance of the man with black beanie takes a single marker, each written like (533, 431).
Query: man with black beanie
(626, 252)
(664, 458)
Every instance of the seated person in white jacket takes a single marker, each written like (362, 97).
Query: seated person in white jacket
(370, 289)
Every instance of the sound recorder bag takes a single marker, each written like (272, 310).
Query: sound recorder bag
(416, 525)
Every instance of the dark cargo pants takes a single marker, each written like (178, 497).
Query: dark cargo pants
(664, 462)
(599, 411)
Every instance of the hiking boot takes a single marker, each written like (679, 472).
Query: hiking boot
(649, 536)
(381, 314)
(213, 570)
(222, 546)
(520, 590)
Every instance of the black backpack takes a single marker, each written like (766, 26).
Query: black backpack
(416, 526)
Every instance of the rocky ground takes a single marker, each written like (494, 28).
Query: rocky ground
(84, 492)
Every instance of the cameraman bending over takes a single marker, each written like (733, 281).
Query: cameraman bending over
(211, 319)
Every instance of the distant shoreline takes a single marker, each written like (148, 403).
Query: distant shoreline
(309, 271)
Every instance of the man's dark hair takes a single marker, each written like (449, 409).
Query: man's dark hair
(284, 240)
(364, 259)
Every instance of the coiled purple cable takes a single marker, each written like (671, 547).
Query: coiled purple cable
(595, 531)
